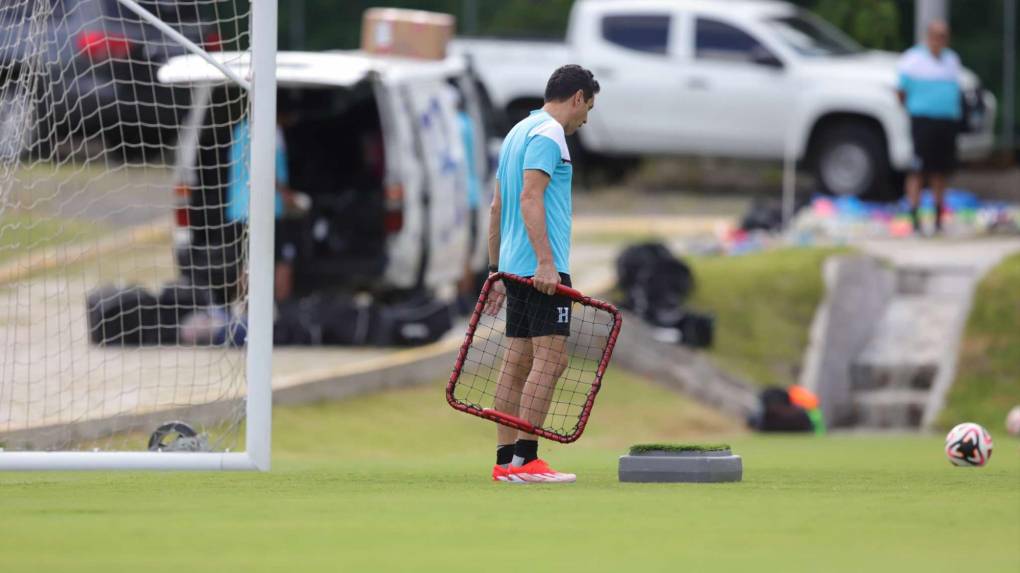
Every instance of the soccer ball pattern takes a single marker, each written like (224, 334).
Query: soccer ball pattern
(968, 444)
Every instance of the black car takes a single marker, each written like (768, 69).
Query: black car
(99, 73)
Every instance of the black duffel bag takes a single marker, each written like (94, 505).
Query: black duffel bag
(126, 316)
(177, 301)
(412, 322)
(652, 279)
(319, 320)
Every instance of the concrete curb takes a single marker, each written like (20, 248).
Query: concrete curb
(680, 368)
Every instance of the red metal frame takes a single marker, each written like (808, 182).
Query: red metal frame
(514, 421)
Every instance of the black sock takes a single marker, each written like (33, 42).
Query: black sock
(504, 454)
(527, 450)
(939, 211)
(915, 218)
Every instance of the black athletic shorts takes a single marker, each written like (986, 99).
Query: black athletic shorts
(934, 145)
(530, 313)
(288, 233)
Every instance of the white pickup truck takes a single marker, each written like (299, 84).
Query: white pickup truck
(736, 78)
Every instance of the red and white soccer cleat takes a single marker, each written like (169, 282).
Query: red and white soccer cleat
(537, 471)
(500, 473)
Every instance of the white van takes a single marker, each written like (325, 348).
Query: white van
(373, 141)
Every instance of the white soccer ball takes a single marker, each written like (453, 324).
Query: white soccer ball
(1013, 421)
(968, 444)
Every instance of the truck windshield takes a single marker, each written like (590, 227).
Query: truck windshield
(811, 36)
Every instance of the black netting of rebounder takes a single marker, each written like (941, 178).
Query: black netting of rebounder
(513, 379)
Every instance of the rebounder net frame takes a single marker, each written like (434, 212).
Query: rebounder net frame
(484, 361)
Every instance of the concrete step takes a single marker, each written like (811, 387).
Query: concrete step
(912, 330)
(906, 376)
(890, 408)
(914, 280)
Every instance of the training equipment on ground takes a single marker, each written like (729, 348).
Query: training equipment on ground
(474, 383)
(93, 293)
(968, 445)
(177, 437)
(687, 463)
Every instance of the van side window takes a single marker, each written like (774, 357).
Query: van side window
(714, 40)
(641, 32)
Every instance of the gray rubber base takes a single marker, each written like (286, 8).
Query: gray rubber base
(669, 467)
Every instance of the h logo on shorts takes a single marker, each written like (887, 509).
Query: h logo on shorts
(564, 314)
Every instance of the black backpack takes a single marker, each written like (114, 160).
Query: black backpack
(652, 280)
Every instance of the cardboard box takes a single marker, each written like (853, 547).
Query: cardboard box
(407, 33)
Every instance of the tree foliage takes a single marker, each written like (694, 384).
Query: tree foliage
(873, 23)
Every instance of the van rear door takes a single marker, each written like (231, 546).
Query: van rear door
(405, 187)
(432, 103)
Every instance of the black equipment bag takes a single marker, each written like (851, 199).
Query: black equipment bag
(316, 320)
(413, 322)
(177, 300)
(777, 413)
(652, 278)
(126, 316)
(697, 330)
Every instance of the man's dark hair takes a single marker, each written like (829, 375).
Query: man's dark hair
(566, 80)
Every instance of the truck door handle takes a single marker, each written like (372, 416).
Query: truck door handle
(697, 83)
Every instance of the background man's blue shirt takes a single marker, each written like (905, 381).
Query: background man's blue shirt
(238, 190)
(932, 85)
(536, 142)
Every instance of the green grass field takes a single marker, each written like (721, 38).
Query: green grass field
(763, 342)
(22, 233)
(988, 383)
(399, 482)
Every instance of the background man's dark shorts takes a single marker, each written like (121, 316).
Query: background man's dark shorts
(288, 234)
(530, 313)
(934, 145)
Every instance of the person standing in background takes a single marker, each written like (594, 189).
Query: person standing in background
(929, 87)
(474, 195)
(288, 201)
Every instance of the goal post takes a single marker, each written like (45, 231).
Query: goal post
(260, 341)
(91, 216)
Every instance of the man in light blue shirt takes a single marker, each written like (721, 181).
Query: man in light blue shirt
(529, 236)
(287, 201)
(930, 90)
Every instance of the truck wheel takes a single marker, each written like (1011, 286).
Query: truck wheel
(851, 161)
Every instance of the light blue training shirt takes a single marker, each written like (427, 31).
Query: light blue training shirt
(238, 192)
(536, 142)
(932, 84)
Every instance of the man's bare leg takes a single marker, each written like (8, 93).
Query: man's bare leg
(284, 281)
(516, 365)
(938, 187)
(550, 360)
(914, 181)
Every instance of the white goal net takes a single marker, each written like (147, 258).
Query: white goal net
(124, 276)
